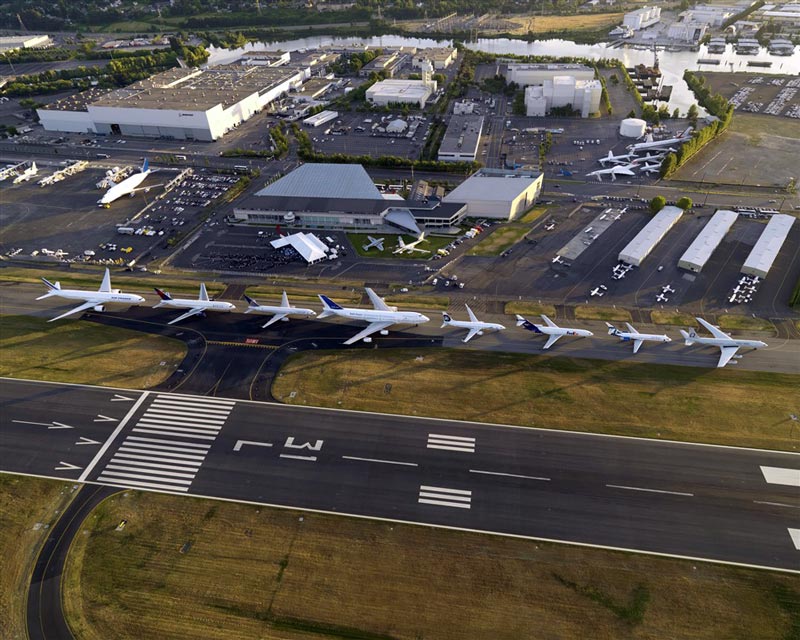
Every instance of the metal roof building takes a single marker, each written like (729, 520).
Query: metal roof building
(461, 140)
(325, 180)
(765, 251)
(646, 240)
(497, 193)
(704, 245)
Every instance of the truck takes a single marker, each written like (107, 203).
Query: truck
(126, 231)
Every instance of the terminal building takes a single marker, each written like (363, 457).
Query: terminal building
(497, 193)
(342, 196)
(654, 231)
(704, 245)
(563, 91)
(461, 140)
(769, 244)
(182, 104)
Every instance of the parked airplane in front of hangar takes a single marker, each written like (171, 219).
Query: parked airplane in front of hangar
(91, 299)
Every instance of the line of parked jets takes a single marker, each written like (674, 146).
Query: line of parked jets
(625, 164)
(380, 318)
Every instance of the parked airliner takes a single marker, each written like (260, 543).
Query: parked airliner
(282, 312)
(91, 299)
(634, 336)
(195, 307)
(128, 187)
(727, 346)
(475, 326)
(551, 330)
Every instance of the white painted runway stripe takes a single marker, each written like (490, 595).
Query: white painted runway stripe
(462, 492)
(132, 448)
(457, 438)
(190, 406)
(445, 497)
(134, 485)
(143, 466)
(176, 429)
(405, 464)
(177, 397)
(448, 448)
(179, 423)
(778, 475)
(161, 432)
(160, 447)
(139, 476)
(189, 417)
(672, 493)
(777, 504)
(444, 503)
(509, 475)
(172, 474)
(795, 536)
(194, 445)
(136, 456)
(451, 443)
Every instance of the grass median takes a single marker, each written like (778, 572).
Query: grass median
(190, 568)
(86, 353)
(740, 408)
(499, 240)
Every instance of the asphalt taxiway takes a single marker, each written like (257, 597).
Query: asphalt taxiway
(696, 501)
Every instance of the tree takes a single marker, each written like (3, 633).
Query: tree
(684, 203)
(632, 113)
(668, 165)
(676, 114)
(692, 114)
(657, 204)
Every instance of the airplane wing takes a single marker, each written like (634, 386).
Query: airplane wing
(717, 333)
(147, 188)
(472, 317)
(551, 340)
(630, 328)
(624, 171)
(82, 307)
(472, 333)
(274, 319)
(636, 344)
(377, 301)
(725, 355)
(372, 328)
(191, 312)
(420, 250)
(549, 322)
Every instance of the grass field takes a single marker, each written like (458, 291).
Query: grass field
(673, 318)
(728, 321)
(390, 243)
(584, 22)
(740, 408)
(589, 312)
(410, 302)
(499, 240)
(83, 352)
(533, 215)
(265, 573)
(28, 507)
(529, 308)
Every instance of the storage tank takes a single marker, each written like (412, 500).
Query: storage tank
(632, 127)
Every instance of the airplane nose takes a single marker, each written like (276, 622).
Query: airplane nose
(424, 318)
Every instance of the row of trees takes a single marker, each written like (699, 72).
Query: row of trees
(659, 202)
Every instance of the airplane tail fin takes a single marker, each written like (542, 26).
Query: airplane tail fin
(145, 165)
(688, 337)
(284, 300)
(162, 294)
(612, 330)
(520, 320)
(329, 307)
(251, 303)
(445, 319)
(52, 289)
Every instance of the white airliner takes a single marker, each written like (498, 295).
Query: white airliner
(402, 247)
(282, 312)
(475, 326)
(727, 346)
(621, 170)
(551, 330)
(195, 307)
(380, 318)
(623, 159)
(655, 145)
(656, 156)
(92, 299)
(637, 338)
(128, 187)
(27, 174)
(650, 168)
(373, 242)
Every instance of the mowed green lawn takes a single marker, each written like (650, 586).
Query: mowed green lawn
(724, 406)
(84, 352)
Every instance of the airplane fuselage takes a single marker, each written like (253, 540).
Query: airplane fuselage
(289, 311)
(99, 297)
(649, 337)
(720, 342)
(127, 186)
(374, 315)
(559, 331)
(483, 326)
(206, 305)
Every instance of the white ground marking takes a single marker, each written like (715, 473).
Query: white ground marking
(672, 493)
(779, 475)
(445, 497)
(451, 443)
(509, 475)
(777, 504)
(795, 535)
(405, 464)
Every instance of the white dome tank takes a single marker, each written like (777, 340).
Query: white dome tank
(632, 127)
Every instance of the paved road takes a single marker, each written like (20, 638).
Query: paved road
(704, 502)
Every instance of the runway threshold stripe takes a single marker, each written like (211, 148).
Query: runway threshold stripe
(174, 428)
(190, 404)
(161, 432)
(178, 397)
(135, 456)
(141, 465)
(179, 408)
(432, 436)
(134, 485)
(405, 464)
(139, 476)
(778, 475)
(444, 496)
(161, 447)
(195, 445)
(442, 503)
(185, 417)
(463, 492)
(509, 475)
(672, 493)
(172, 474)
(131, 448)
(445, 448)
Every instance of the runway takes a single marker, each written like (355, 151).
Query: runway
(695, 501)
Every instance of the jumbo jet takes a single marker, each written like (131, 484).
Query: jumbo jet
(380, 318)
(402, 247)
(727, 346)
(282, 312)
(623, 159)
(475, 326)
(634, 336)
(373, 242)
(91, 299)
(128, 187)
(622, 170)
(551, 330)
(195, 307)
(27, 174)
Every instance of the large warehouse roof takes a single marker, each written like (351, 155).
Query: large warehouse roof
(324, 180)
(644, 242)
(493, 184)
(699, 252)
(762, 256)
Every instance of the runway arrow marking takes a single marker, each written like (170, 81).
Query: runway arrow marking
(49, 425)
(102, 418)
(87, 441)
(66, 466)
(240, 443)
(119, 398)
(778, 475)
(795, 534)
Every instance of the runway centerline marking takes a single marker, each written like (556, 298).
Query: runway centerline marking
(405, 464)
(509, 475)
(777, 504)
(779, 475)
(113, 436)
(672, 493)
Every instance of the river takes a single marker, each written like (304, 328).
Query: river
(672, 63)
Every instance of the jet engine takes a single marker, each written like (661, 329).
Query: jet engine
(99, 308)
